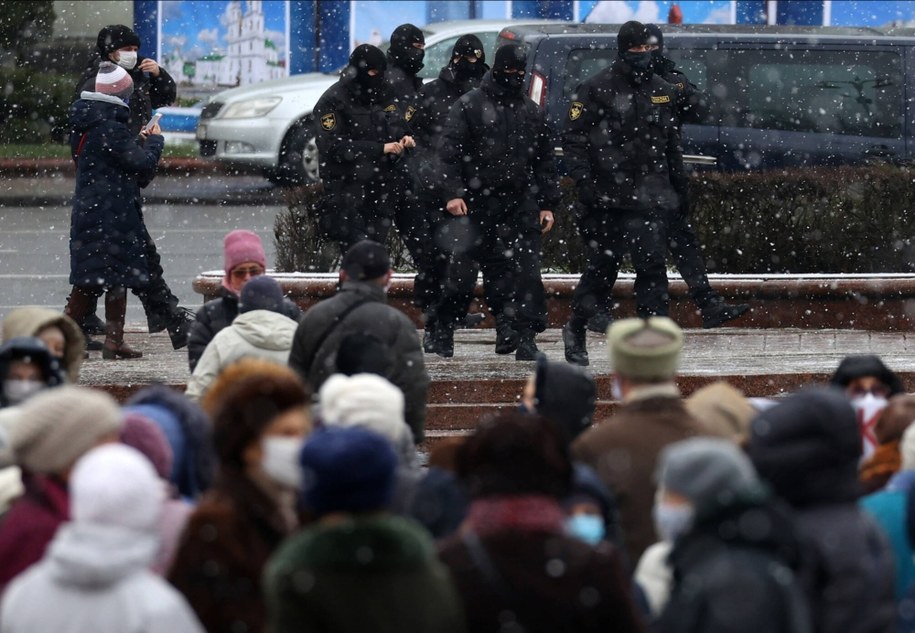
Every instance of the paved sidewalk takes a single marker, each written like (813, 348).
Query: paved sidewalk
(766, 362)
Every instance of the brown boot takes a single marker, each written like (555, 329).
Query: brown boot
(115, 313)
(79, 303)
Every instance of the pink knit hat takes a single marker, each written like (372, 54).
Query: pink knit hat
(113, 80)
(242, 246)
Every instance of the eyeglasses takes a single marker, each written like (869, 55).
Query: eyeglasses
(242, 273)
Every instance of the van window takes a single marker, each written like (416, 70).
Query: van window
(585, 63)
(857, 94)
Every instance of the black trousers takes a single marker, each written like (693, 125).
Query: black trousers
(609, 234)
(349, 212)
(419, 221)
(500, 237)
(159, 303)
(684, 246)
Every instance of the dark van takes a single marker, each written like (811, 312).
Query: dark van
(780, 96)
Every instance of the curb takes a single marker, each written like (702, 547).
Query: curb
(32, 167)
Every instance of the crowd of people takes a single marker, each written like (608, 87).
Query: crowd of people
(285, 490)
(269, 500)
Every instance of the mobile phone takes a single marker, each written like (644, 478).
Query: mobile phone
(152, 122)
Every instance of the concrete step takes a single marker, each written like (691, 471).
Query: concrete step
(884, 302)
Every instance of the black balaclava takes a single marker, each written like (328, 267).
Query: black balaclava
(363, 59)
(508, 57)
(115, 36)
(402, 52)
(634, 34)
(464, 70)
(660, 65)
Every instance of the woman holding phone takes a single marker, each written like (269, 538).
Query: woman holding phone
(108, 239)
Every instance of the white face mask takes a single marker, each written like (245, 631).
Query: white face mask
(673, 520)
(281, 460)
(18, 391)
(868, 408)
(127, 59)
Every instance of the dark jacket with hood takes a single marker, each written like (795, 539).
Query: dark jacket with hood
(107, 236)
(497, 139)
(401, 84)
(427, 117)
(226, 544)
(216, 314)
(148, 91)
(729, 576)
(401, 587)
(621, 141)
(315, 346)
(807, 448)
(351, 133)
(20, 347)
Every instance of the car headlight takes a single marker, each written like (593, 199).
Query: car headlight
(252, 108)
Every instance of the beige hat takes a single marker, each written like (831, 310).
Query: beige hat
(645, 349)
(57, 426)
(723, 410)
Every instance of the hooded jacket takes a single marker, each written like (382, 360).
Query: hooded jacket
(217, 314)
(730, 577)
(498, 140)
(622, 140)
(351, 134)
(96, 578)
(258, 334)
(401, 587)
(313, 353)
(807, 448)
(427, 118)
(30, 320)
(107, 235)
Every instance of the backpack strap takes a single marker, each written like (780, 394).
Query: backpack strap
(79, 148)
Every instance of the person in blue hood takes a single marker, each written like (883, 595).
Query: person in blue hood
(108, 239)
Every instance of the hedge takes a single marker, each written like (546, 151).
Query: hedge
(810, 220)
(33, 105)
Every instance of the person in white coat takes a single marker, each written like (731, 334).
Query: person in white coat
(260, 330)
(95, 575)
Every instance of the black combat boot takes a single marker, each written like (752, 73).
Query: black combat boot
(443, 340)
(506, 336)
(600, 322)
(575, 341)
(527, 347)
(717, 313)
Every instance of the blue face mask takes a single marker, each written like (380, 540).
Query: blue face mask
(587, 527)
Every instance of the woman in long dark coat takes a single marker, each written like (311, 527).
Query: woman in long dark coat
(108, 241)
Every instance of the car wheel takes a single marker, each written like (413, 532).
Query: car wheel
(299, 161)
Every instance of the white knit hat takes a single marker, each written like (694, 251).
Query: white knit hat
(56, 426)
(115, 484)
(113, 80)
(365, 400)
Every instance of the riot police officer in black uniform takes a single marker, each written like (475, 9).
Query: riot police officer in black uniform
(361, 137)
(692, 107)
(621, 145)
(500, 183)
(427, 121)
(405, 59)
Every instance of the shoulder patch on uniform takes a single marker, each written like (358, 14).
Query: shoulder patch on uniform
(410, 112)
(661, 99)
(390, 108)
(576, 109)
(329, 121)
